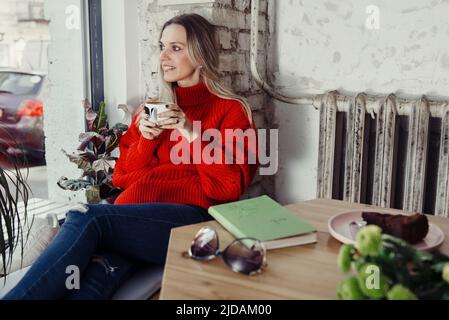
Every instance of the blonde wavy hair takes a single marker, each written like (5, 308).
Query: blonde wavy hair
(203, 50)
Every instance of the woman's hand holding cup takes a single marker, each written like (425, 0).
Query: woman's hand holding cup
(175, 118)
(172, 117)
(147, 128)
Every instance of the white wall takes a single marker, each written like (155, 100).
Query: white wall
(325, 45)
(63, 112)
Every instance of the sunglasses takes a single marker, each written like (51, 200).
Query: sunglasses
(244, 255)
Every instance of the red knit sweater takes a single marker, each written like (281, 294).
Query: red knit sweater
(146, 173)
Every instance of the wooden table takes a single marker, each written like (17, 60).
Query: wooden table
(301, 272)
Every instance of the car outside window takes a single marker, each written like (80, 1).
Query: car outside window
(19, 84)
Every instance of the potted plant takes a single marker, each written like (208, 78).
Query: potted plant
(14, 194)
(93, 155)
(386, 267)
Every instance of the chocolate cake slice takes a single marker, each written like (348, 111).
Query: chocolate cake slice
(411, 228)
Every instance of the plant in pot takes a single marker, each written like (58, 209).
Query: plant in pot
(93, 155)
(14, 195)
(386, 267)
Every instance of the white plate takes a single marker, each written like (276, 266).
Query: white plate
(338, 226)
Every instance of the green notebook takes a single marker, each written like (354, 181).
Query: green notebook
(264, 219)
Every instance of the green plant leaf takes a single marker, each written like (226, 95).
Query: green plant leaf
(14, 190)
(345, 257)
(112, 143)
(95, 149)
(73, 184)
(87, 137)
(101, 119)
(349, 289)
(118, 128)
(401, 265)
(82, 160)
(104, 164)
(400, 292)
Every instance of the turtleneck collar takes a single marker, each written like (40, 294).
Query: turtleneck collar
(193, 95)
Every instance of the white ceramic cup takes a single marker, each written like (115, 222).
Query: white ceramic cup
(153, 109)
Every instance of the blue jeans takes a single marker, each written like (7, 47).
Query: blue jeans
(105, 244)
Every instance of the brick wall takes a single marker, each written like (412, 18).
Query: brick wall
(233, 19)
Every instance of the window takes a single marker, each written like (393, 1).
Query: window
(4, 55)
(24, 38)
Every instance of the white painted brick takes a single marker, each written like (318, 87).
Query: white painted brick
(226, 3)
(230, 18)
(183, 2)
(241, 5)
(225, 37)
(227, 81)
(159, 18)
(257, 101)
(233, 62)
(244, 41)
(242, 83)
(263, 6)
(263, 23)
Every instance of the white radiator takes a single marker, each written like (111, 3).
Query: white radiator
(364, 157)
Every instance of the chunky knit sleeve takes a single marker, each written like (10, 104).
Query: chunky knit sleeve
(228, 179)
(137, 155)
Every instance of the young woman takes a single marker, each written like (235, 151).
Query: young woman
(108, 242)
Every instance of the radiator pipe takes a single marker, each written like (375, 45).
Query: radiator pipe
(437, 108)
(304, 100)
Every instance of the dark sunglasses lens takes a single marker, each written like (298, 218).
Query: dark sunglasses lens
(245, 256)
(205, 244)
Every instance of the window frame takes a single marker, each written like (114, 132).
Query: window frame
(94, 52)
